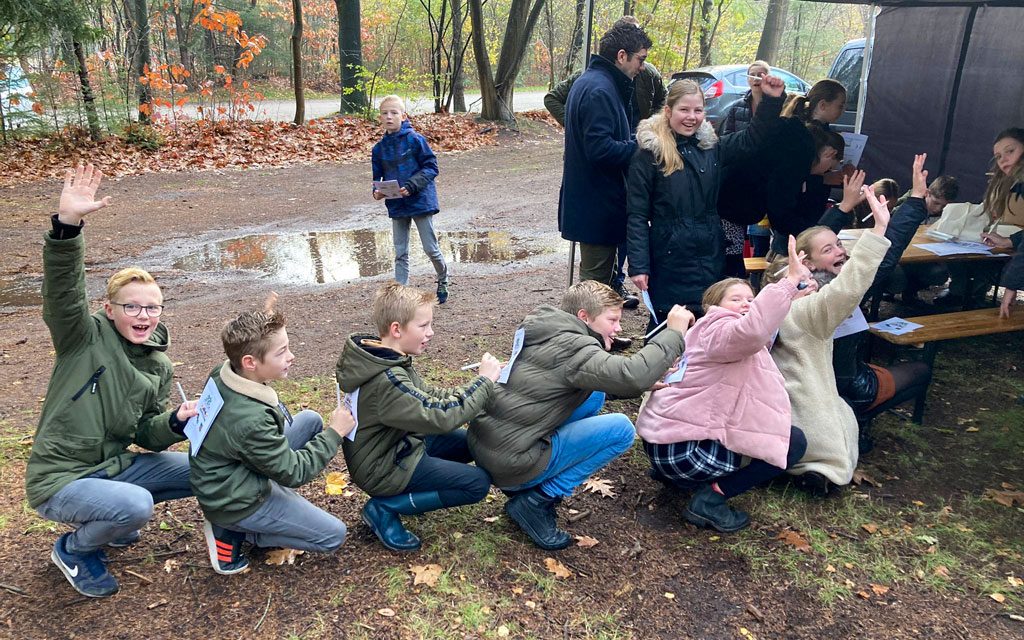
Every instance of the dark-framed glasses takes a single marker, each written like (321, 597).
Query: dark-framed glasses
(134, 310)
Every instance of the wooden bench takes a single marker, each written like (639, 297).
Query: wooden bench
(950, 326)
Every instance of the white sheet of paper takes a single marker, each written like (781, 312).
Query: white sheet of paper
(352, 403)
(678, 375)
(896, 326)
(517, 346)
(854, 324)
(855, 143)
(954, 248)
(646, 296)
(388, 188)
(210, 404)
(847, 236)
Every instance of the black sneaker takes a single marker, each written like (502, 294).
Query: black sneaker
(535, 515)
(442, 292)
(87, 572)
(629, 301)
(708, 508)
(225, 549)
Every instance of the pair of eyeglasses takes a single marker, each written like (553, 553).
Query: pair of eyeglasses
(134, 310)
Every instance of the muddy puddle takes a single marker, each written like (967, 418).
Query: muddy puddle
(18, 292)
(332, 256)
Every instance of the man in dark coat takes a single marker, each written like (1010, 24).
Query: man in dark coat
(598, 147)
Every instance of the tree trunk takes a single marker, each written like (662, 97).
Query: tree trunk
(521, 20)
(183, 33)
(550, 45)
(140, 24)
(576, 41)
(705, 31)
(488, 95)
(300, 96)
(797, 19)
(689, 33)
(458, 56)
(774, 23)
(88, 100)
(350, 53)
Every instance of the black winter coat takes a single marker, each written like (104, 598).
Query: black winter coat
(1013, 275)
(598, 145)
(738, 116)
(675, 235)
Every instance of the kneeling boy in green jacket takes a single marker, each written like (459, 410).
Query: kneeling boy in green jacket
(255, 452)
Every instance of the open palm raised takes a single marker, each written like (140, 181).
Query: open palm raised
(78, 197)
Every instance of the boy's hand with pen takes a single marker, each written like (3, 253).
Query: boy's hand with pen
(490, 367)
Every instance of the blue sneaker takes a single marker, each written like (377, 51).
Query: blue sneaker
(225, 549)
(126, 541)
(442, 292)
(87, 572)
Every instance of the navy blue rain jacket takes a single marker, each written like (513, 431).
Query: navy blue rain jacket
(405, 156)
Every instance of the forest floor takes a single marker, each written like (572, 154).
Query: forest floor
(929, 544)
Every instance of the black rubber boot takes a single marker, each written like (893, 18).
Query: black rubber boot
(534, 512)
(708, 509)
(381, 515)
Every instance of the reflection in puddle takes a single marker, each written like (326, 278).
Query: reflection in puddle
(20, 292)
(330, 256)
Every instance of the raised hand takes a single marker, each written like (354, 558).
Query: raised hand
(78, 197)
(919, 177)
(797, 271)
(853, 190)
(880, 211)
(680, 318)
(773, 86)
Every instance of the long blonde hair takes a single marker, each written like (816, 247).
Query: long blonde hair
(668, 155)
(997, 193)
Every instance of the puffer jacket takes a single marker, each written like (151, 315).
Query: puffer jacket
(674, 232)
(562, 362)
(732, 391)
(395, 410)
(105, 393)
(738, 115)
(406, 157)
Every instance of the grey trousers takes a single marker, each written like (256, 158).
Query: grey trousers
(286, 519)
(400, 234)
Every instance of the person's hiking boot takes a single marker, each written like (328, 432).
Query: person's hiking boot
(708, 508)
(87, 572)
(534, 513)
(865, 442)
(442, 292)
(621, 344)
(813, 483)
(381, 515)
(629, 301)
(127, 541)
(225, 549)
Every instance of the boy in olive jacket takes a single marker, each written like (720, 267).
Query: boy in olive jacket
(255, 451)
(408, 451)
(541, 437)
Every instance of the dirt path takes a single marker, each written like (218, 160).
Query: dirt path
(500, 200)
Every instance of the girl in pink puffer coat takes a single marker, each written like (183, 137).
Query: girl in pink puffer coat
(731, 401)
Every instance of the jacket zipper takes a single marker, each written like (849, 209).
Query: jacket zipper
(92, 382)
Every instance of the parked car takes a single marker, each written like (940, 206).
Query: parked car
(847, 69)
(724, 84)
(14, 91)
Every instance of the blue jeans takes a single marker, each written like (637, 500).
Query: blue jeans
(400, 235)
(111, 509)
(286, 519)
(583, 445)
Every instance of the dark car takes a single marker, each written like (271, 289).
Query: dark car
(847, 69)
(724, 84)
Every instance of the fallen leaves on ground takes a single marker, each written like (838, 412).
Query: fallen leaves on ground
(279, 557)
(557, 568)
(387, 612)
(869, 527)
(941, 571)
(170, 565)
(1005, 498)
(192, 145)
(597, 485)
(880, 589)
(794, 539)
(335, 483)
(426, 574)
(859, 478)
(998, 597)
(585, 541)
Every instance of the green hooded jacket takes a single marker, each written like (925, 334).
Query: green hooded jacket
(561, 364)
(246, 447)
(105, 393)
(395, 410)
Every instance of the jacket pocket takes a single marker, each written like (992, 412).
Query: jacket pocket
(91, 385)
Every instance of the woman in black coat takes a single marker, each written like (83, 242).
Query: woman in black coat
(674, 234)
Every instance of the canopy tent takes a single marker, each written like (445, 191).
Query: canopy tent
(942, 77)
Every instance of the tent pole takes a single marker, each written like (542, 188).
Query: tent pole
(588, 32)
(869, 46)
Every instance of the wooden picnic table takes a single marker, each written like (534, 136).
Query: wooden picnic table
(914, 254)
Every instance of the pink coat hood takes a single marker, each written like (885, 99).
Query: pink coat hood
(732, 391)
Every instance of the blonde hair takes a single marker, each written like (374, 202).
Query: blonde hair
(396, 302)
(777, 269)
(997, 191)
(392, 98)
(249, 334)
(590, 296)
(802, 107)
(714, 294)
(125, 277)
(668, 155)
(760, 64)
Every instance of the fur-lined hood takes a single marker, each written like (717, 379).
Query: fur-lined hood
(647, 138)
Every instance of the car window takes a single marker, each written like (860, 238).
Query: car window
(793, 83)
(703, 80)
(737, 78)
(847, 71)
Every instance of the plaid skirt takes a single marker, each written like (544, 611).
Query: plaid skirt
(696, 461)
